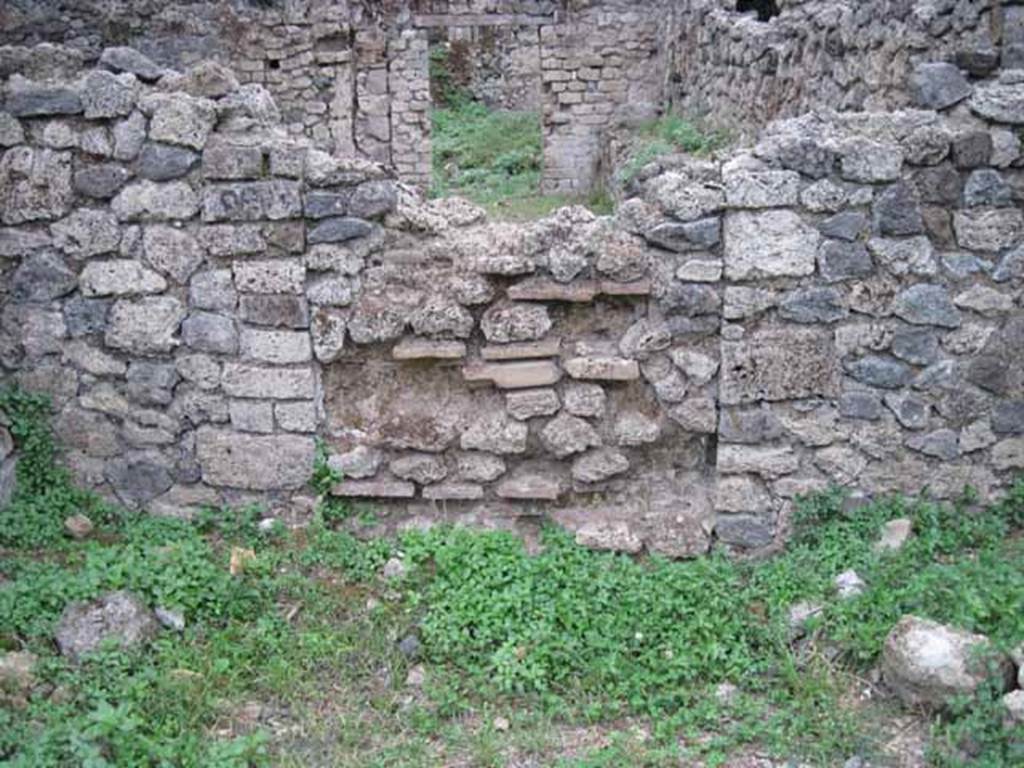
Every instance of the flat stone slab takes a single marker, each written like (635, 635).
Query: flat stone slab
(542, 289)
(602, 368)
(634, 288)
(421, 349)
(454, 492)
(530, 486)
(374, 489)
(521, 375)
(523, 350)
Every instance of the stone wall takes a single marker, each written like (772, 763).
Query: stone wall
(742, 72)
(352, 76)
(604, 64)
(498, 65)
(203, 294)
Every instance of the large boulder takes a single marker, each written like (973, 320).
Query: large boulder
(927, 664)
(118, 616)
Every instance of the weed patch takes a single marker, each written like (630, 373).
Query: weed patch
(667, 135)
(564, 641)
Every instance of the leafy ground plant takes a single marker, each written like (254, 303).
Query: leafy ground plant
(483, 654)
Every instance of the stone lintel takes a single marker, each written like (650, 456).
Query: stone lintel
(446, 20)
(530, 487)
(423, 349)
(374, 489)
(522, 350)
(602, 368)
(635, 288)
(454, 492)
(542, 289)
(534, 373)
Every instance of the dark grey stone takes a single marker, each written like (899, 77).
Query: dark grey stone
(917, 346)
(979, 62)
(162, 162)
(925, 304)
(940, 185)
(813, 305)
(338, 230)
(938, 376)
(84, 316)
(839, 261)
(373, 199)
(986, 186)
(124, 59)
(209, 332)
(1008, 417)
(151, 383)
(136, 483)
(942, 444)
(42, 277)
(1013, 56)
(859, 404)
(896, 212)
(690, 299)
(909, 410)
(744, 531)
(682, 326)
(702, 234)
(101, 181)
(749, 426)
(937, 85)
(999, 367)
(1010, 267)
(36, 100)
(808, 157)
(848, 225)
(322, 205)
(879, 371)
(972, 150)
(274, 309)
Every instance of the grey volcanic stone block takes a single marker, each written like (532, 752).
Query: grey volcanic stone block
(163, 162)
(925, 304)
(896, 212)
(124, 59)
(339, 230)
(813, 305)
(252, 201)
(936, 85)
(373, 199)
(136, 483)
(101, 181)
(42, 277)
(839, 261)
(28, 99)
(879, 371)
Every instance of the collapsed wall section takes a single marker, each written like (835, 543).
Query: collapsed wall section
(203, 295)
